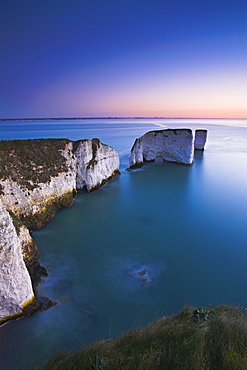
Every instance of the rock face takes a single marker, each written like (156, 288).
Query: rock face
(172, 145)
(200, 139)
(15, 284)
(37, 178)
(96, 163)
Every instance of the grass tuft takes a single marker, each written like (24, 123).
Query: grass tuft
(218, 341)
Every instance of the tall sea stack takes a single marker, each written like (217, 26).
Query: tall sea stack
(200, 139)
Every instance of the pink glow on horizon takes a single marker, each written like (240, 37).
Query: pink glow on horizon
(135, 86)
(160, 58)
(177, 99)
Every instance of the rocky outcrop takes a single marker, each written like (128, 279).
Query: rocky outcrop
(172, 145)
(28, 248)
(200, 139)
(96, 163)
(37, 178)
(16, 290)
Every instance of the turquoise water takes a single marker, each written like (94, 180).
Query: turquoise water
(186, 225)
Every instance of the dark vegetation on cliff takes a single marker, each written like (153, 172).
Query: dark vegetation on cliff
(95, 146)
(30, 162)
(42, 217)
(196, 339)
(34, 161)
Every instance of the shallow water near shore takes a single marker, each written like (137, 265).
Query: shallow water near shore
(182, 228)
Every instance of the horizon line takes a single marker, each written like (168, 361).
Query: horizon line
(110, 117)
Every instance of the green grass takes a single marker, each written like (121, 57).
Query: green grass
(203, 339)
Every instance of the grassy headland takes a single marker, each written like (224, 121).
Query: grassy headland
(30, 162)
(195, 339)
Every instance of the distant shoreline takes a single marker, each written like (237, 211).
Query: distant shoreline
(91, 118)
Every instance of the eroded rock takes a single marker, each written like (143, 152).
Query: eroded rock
(96, 163)
(173, 145)
(200, 139)
(143, 276)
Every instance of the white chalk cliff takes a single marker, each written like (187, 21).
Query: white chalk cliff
(38, 177)
(15, 283)
(39, 185)
(95, 164)
(173, 145)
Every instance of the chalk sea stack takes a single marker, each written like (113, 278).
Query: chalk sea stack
(200, 139)
(173, 145)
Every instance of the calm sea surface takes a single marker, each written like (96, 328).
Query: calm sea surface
(186, 225)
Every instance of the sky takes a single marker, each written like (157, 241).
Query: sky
(113, 58)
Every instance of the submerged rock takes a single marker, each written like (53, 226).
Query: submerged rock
(142, 272)
(143, 276)
(45, 303)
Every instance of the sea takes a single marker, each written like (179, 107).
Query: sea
(184, 228)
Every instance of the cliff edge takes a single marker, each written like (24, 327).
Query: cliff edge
(37, 178)
(15, 283)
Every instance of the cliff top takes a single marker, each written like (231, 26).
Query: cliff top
(32, 160)
(202, 338)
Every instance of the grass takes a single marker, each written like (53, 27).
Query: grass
(30, 162)
(202, 339)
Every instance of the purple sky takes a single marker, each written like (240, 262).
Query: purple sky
(75, 58)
